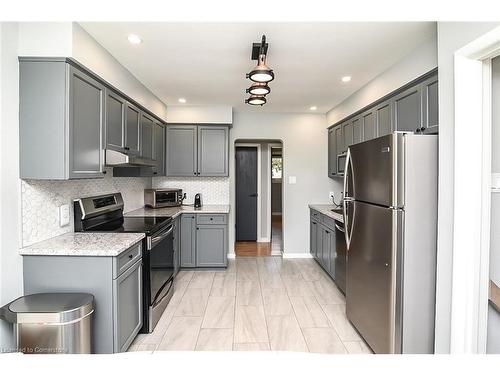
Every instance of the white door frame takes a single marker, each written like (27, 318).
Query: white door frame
(472, 193)
(258, 146)
(269, 179)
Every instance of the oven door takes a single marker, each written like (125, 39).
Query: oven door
(161, 273)
(166, 198)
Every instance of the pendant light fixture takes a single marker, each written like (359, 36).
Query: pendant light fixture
(259, 88)
(256, 100)
(260, 75)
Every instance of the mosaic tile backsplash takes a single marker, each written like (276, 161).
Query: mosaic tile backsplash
(214, 190)
(41, 201)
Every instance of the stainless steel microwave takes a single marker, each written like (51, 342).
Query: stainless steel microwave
(156, 198)
(341, 163)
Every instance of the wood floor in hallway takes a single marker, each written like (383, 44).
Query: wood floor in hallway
(257, 303)
(254, 248)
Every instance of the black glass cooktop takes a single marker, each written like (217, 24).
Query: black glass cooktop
(133, 225)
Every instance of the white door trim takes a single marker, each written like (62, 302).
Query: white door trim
(472, 193)
(259, 204)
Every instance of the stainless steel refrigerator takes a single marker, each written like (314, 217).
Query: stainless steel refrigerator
(390, 214)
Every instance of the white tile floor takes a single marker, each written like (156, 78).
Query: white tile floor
(264, 303)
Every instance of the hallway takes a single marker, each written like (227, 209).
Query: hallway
(254, 248)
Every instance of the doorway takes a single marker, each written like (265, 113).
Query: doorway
(276, 183)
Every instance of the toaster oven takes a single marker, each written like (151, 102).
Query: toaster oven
(157, 198)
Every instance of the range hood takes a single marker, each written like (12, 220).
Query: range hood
(119, 159)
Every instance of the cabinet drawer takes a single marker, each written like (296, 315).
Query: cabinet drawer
(316, 216)
(329, 222)
(210, 219)
(123, 261)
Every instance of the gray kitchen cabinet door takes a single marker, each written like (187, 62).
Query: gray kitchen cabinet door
(211, 245)
(181, 150)
(347, 133)
(133, 129)
(369, 127)
(407, 109)
(326, 244)
(176, 244)
(147, 136)
(332, 251)
(430, 105)
(115, 121)
(383, 119)
(339, 140)
(357, 130)
(188, 240)
(127, 298)
(86, 125)
(332, 153)
(313, 224)
(319, 242)
(213, 151)
(159, 149)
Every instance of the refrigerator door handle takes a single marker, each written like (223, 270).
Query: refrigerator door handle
(347, 175)
(347, 228)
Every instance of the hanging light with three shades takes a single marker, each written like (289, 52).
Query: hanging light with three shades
(260, 75)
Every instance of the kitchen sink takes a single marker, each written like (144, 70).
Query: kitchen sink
(337, 210)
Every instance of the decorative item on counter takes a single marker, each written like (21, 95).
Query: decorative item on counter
(197, 200)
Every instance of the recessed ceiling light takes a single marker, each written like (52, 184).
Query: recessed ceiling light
(182, 100)
(313, 108)
(134, 39)
(346, 79)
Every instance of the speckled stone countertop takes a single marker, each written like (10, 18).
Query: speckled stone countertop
(84, 244)
(326, 209)
(176, 211)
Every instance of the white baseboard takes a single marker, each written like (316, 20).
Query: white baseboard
(231, 255)
(264, 239)
(276, 253)
(297, 255)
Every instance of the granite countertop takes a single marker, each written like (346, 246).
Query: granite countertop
(176, 211)
(494, 296)
(326, 209)
(84, 244)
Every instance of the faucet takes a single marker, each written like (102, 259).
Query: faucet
(339, 205)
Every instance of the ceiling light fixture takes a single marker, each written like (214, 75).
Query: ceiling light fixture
(261, 73)
(182, 100)
(134, 39)
(346, 79)
(256, 100)
(259, 88)
(313, 108)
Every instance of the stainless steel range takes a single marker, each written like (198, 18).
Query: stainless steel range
(104, 213)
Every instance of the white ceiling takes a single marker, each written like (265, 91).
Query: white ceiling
(206, 63)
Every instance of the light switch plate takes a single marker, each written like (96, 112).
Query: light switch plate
(63, 215)
(292, 179)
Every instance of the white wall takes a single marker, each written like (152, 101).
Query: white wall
(305, 154)
(10, 209)
(451, 37)
(418, 62)
(179, 114)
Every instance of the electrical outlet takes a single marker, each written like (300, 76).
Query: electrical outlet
(331, 195)
(64, 215)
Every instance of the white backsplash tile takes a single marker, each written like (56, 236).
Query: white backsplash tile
(214, 190)
(41, 200)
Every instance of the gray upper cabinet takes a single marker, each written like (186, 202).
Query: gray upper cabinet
(61, 113)
(347, 132)
(357, 130)
(383, 119)
(159, 149)
(339, 140)
(369, 127)
(115, 121)
(182, 150)
(133, 129)
(147, 136)
(188, 240)
(197, 150)
(430, 105)
(332, 153)
(213, 151)
(407, 107)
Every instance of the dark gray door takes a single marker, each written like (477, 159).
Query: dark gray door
(181, 150)
(246, 193)
(408, 110)
(86, 125)
(188, 241)
(332, 153)
(213, 151)
(147, 138)
(211, 245)
(115, 121)
(133, 127)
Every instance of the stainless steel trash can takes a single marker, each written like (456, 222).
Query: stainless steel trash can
(48, 323)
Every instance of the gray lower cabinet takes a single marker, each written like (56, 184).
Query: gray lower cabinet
(197, 150)
(115, 283)
(177, 244)
(61, 113)
(203, 240)
(322, 242)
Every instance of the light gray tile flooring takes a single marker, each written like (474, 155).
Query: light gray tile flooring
(261, 303)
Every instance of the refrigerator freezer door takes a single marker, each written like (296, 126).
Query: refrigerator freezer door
(372, 264)
(374, 171)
